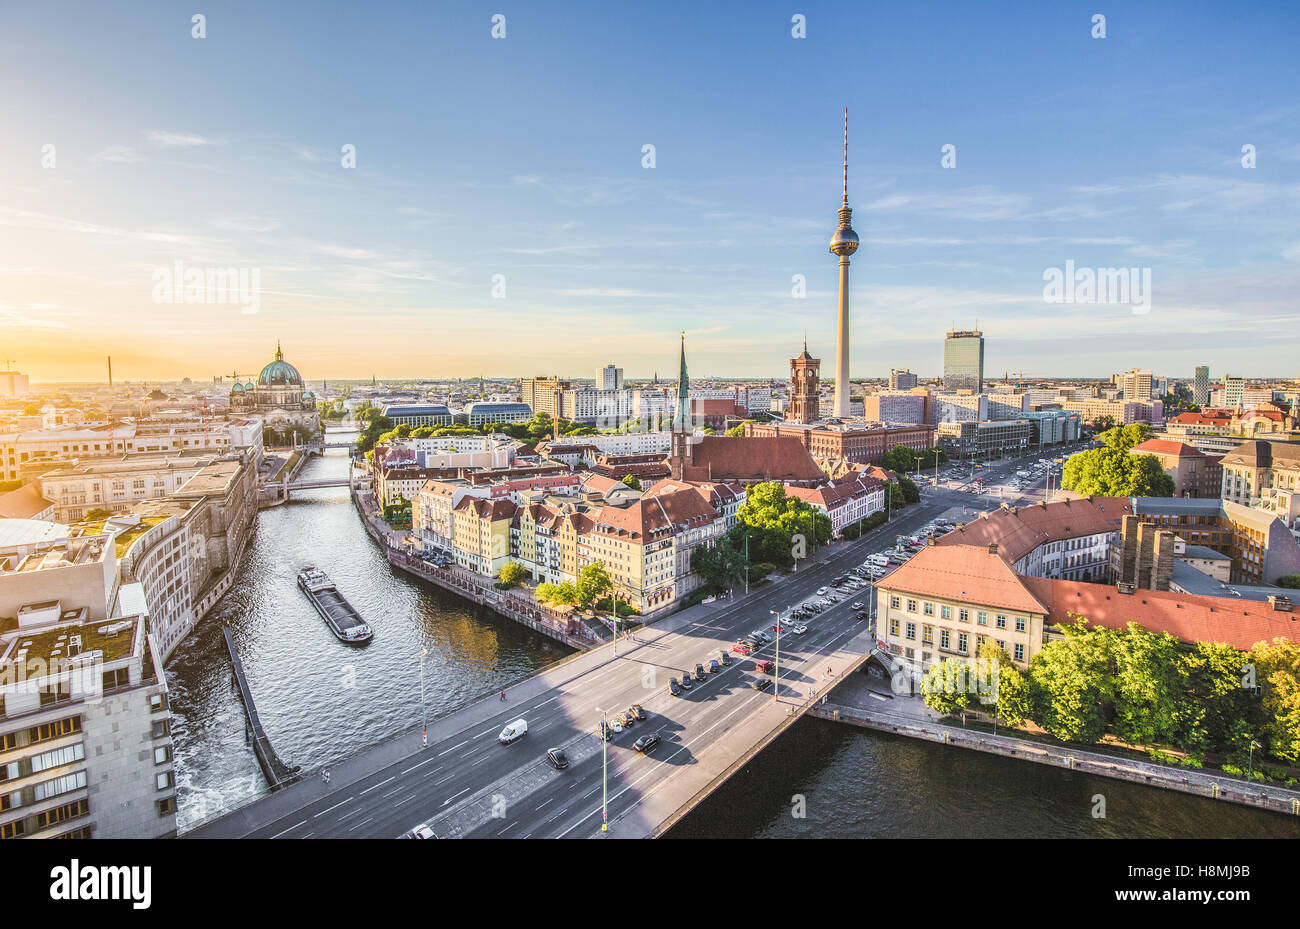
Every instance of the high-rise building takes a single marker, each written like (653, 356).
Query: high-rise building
(805, 383)
(843, 244)
(1234, 390)
(901, 379)
(963, 361)
(543, 394)
(1136, 384)
(1202, 389)
(609, 378)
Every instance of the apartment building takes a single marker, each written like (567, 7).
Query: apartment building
(85, 725)
(117, 484)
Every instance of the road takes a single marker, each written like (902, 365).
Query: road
(441, 784)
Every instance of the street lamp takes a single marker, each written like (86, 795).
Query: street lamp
(1251, 770)
(424, 717)
(604, 773)
(776, 676)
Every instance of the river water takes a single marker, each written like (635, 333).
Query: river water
(321, 700)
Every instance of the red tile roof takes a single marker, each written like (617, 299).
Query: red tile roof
(968, 573)
(1191, 618)
(752, 459)
(1018, 531)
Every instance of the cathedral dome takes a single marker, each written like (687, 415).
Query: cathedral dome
(280, 373)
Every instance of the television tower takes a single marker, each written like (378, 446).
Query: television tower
(844, 243)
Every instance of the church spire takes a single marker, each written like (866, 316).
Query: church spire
(279, 355)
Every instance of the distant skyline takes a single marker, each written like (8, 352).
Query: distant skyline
(522, 157)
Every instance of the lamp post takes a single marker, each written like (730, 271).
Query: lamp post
(1251, 770)
(614, 596)
(776, 676)
(604, 773)
(424, 718)
(746, 564)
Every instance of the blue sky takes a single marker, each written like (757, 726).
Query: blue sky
(522, 157)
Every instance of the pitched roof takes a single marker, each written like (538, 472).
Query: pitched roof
(1018, 531)
(655, 517)
(751, 459)
(969, 573)
(1189, 617)
(23, 503)
(1259, 453)
(1167, 447)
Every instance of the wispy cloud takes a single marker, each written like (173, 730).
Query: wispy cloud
(118, 153)
(176, 139)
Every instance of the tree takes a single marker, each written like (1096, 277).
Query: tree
(512, 574)
(562, 594)
(631, 480)
(97, 513)
(1289, 581)
(738, 430)
(1071, 683)
(1151, 687)
(1011, 701)
(1102, 423)
(1112, 471)
(593, 584)
(911, 493)
(721, 565)
(1277, 669)
(946, 687)
(774, 522)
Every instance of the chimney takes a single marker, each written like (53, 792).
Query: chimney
(993, 548)
(1280, 603)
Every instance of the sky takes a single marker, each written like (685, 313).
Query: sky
(500, 219)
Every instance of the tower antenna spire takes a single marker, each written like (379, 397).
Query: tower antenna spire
(846, 156)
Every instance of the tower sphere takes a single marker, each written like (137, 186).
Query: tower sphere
(844, 242)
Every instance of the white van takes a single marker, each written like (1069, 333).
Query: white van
(515, 730)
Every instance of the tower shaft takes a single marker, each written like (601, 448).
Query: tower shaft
(842, 345)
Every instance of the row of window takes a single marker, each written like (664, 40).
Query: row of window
(963, 615)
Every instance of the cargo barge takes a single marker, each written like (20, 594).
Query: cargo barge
(342, 618)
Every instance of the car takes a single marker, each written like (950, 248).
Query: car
(624, 720)
(798, 628)
(764, 666)
(557, 759)
(699, 672)
(714, 666)
(741, 648)
(686, 682)
(605, 732)
(636, 712)
(724, 657)
(778, 628)
(421, 831)
(615, 725)
(761, 683)
(646, 742)
(674, 689)
(822, 590)
(761, 636)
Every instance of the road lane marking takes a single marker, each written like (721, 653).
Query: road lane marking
(334, 807)
(290, 829)
(380, 784)
(456, 746)
(360, 824)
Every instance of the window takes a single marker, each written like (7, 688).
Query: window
(166, 806)
(1020, 624)
(961, 641)
(162, 754)
(945, 612)
(893, 602)
(10, 771)
(893, 627)
(911, 606)
(58, 757)
(119, 677)
(54, 730)
(963, 616)
(12, 830)
(1002, 621)
(927, 635)
(943, 638)
(1020, 652)
(160, 728)
(61, 814)
(911, 630)
(982, 618)
(928, 608)
(165, 780)
(60, 785)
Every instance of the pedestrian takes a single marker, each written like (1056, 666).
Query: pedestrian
(503, 696)
(325, 775)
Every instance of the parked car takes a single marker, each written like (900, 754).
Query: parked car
(674, 689)
(859, 606)
(764, 667)
(798, 628)
(646, 742)
(724, 657)
(741, 648)
(822, 590)
(699, 672)
(714, 666)
(558, 760)
(636, 712)
(615, 725)
(686, 682)
(761, 683)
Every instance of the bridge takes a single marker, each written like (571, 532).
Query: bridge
(275, 492)
(463, 783)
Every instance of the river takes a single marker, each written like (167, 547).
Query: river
(321, 700)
